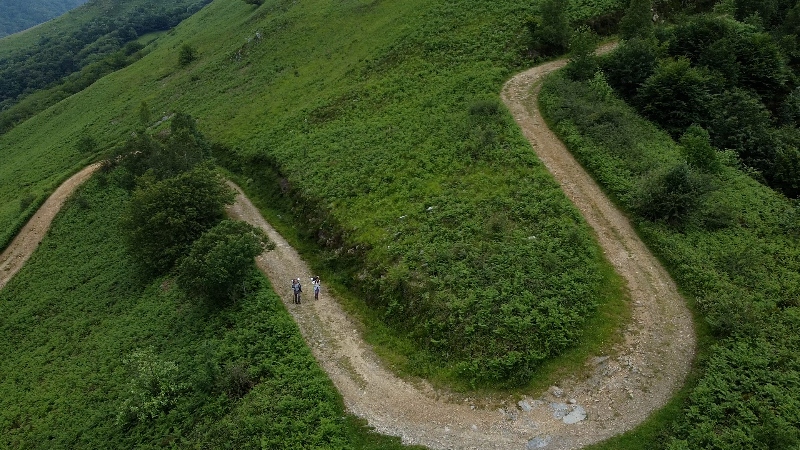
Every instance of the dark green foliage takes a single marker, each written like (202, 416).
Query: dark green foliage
(632, 63)
(638, 20)
(87, 145)
(550, 30)
(254, 2)
(738, 121)
(696, 143)
(671, 195)
(153, 387)
(165, 155)
(165, 217)
(582, 61)
(737, 255)
(220, 260)
(677, 95)
(186, 55)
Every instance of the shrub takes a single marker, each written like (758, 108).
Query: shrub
(696, 144)
(670, 195)
(153, 387)
(165, 217)
(582, 61)
(218, 262)
(630, 65)
(550, 30)
(187, 55)
(677, 95)
(638, 20)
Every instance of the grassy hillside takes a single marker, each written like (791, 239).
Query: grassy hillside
(93, 358)
(380, 124)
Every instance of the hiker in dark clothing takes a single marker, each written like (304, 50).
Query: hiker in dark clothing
(297, 289)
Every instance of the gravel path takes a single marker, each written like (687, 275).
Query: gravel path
(624, 387)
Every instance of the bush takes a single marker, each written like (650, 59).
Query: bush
(165, 217)
(677, 95)
(582, 61)
(187, 55)
(696, 144)
(638, 20)
(218, 262)
(550, 30)
(153, 387)
(630, 65)
(670, 195)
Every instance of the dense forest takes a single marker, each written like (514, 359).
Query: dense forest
(733, 73)
(18, 15)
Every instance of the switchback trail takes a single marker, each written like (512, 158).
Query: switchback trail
(624, 387)
(22, 247)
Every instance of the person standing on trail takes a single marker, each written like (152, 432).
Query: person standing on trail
(315, 281)
(296, 289)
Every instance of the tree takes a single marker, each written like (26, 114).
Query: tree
(551, 30)
(696, 144)
(677, 95)
(165, 217)
(180, 151)
(187, 55)
(630, 65)
(582, 61)
(740, 122)
(670, 195)
(637, 21)
(220, 259)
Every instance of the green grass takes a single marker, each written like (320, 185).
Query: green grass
(363, 109)
(736, 257)
(78, 310)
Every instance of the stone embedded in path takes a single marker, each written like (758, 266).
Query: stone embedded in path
(525, 406)
(578, 414)
(559, 410)
(538, 442)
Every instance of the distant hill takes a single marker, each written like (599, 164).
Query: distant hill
(18, 15)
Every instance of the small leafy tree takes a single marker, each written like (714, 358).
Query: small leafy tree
(677, 95)
(153, 387)
(630, 65)
(696, 144)
(165, 217)
(550, 30)
(672, 194)
(218, 262)
(582, 61)
(187, 55)
(637, 21)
